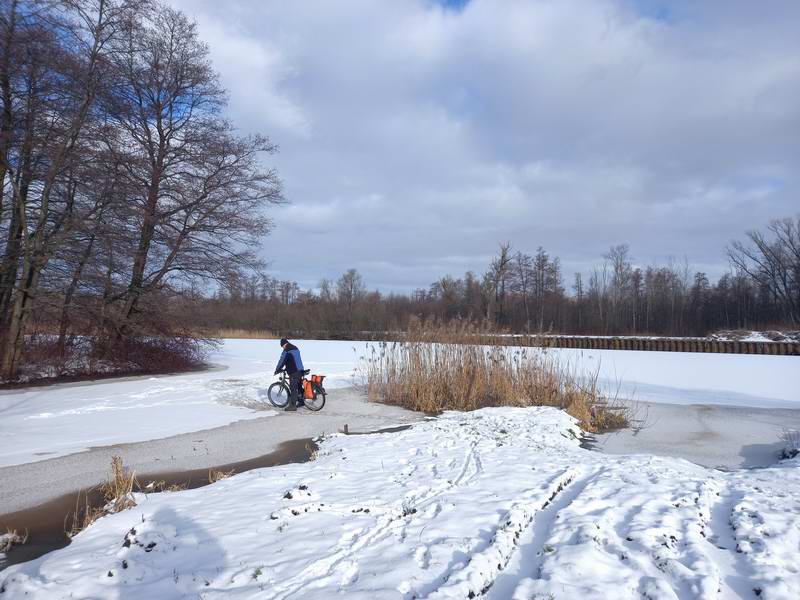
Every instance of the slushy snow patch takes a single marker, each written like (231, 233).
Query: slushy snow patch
(497, 503)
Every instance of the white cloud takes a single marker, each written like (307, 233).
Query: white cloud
(411, 134)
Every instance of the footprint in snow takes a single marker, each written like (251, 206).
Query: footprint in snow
(423, 557)
(350, 574)
(348, 536)
(433, 510)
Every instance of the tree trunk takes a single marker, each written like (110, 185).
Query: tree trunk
(63, 323)
(135, 287)
(9, 269)
(15, 339)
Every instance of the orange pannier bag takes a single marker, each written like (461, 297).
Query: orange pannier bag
(308, 391)
(317, 379)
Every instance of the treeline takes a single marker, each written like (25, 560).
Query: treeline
(124, 187)
(527, 293)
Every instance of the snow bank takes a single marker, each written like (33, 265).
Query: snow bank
(756, 336)
(499, 502)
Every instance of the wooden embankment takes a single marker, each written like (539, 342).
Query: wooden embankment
(652, 344)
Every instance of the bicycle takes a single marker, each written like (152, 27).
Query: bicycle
(278, 392)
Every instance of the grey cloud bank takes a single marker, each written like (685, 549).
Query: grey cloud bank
(415, 137)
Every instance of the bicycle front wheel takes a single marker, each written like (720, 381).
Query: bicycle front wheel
(278, 394)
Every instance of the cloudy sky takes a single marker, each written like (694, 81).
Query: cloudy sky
(415, 135)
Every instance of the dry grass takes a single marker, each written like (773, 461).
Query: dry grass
(116, 492)
(242, 334)
(12, 538)
(118, 489)
(313, 451)
(156, 487)
(791, 441)
(215, 476)
(435, 369)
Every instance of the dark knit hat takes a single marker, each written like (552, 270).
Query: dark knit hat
(284, 341)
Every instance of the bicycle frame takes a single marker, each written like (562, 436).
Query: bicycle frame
(285, 380)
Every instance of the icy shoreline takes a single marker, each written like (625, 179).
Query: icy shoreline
(494, 502)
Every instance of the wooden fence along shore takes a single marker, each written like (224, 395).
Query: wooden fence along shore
(654, 344)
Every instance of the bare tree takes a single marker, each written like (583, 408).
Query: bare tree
(522, 283)
(197, 211)
(496, 280)
(621, 271)
(772, 260)
(349, 290)
(51, 90)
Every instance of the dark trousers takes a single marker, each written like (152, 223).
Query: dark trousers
(295, 386)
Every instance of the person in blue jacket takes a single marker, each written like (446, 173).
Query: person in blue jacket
(291, 361)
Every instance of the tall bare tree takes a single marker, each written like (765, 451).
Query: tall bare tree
(772, 260)
(200, 188)
(51, 90)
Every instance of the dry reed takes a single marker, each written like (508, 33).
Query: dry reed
(241, 334)
(11, 538)
(437, 368)
(215, 475)
(117, 493)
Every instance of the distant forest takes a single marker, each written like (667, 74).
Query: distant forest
(527, 293)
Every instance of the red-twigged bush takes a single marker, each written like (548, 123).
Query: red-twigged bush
(152, 354)
(87, 356)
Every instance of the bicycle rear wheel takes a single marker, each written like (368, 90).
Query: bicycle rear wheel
(278, 394)
(318, 401)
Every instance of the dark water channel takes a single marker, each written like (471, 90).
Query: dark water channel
(47, 523)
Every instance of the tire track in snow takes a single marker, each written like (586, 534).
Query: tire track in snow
(541, 530)
(735, 573)
(481, 573)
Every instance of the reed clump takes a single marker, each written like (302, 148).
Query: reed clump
(432, 371)
(116, 492)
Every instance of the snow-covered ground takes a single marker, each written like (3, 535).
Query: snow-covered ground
(498, 503)
(45, 422)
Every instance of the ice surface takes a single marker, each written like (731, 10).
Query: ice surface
(44, 422)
